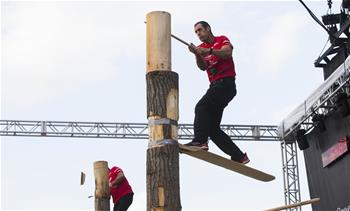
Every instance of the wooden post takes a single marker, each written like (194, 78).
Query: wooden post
(101, 186)
(163, 189)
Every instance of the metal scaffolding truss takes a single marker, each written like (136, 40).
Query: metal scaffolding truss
(237, 132)
(336, 46)
(290, 173)
(321, 101)
(124, 130)
(140, 131)
(73, 129)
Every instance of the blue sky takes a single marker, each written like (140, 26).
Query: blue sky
(85, 61)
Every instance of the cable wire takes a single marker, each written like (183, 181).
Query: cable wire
(329, 2)
(314, 17)
(324, 47)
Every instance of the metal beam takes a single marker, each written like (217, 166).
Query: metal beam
(266, 133)
(290, 174)
(124, 130)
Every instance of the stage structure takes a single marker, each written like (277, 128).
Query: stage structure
(320, 125)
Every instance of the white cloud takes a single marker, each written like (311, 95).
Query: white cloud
(282, 113)
(51, 48)
(280, 41)
(139, 201)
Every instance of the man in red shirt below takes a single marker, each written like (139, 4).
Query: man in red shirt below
(120, 189)
(214, 56)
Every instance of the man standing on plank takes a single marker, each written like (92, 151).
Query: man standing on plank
(214, 56)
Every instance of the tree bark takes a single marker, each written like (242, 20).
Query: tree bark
(163, 189)
(162, 94)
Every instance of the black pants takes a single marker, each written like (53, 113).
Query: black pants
(124, 203)
(208, 114)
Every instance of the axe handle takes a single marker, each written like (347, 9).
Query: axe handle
(180, 40)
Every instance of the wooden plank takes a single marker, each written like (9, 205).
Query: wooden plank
(295, 205)
(226, 163)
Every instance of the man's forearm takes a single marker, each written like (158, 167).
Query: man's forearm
(201, 63)
(223, 53)
(117, 180)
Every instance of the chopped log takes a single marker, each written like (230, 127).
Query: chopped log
(102, 194)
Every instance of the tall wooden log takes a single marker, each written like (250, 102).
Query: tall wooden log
(158, 44)
(102, 194)
(163, 189)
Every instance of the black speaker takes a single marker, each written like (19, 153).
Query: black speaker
(343, 104)
(318, 122)
(301, 139)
